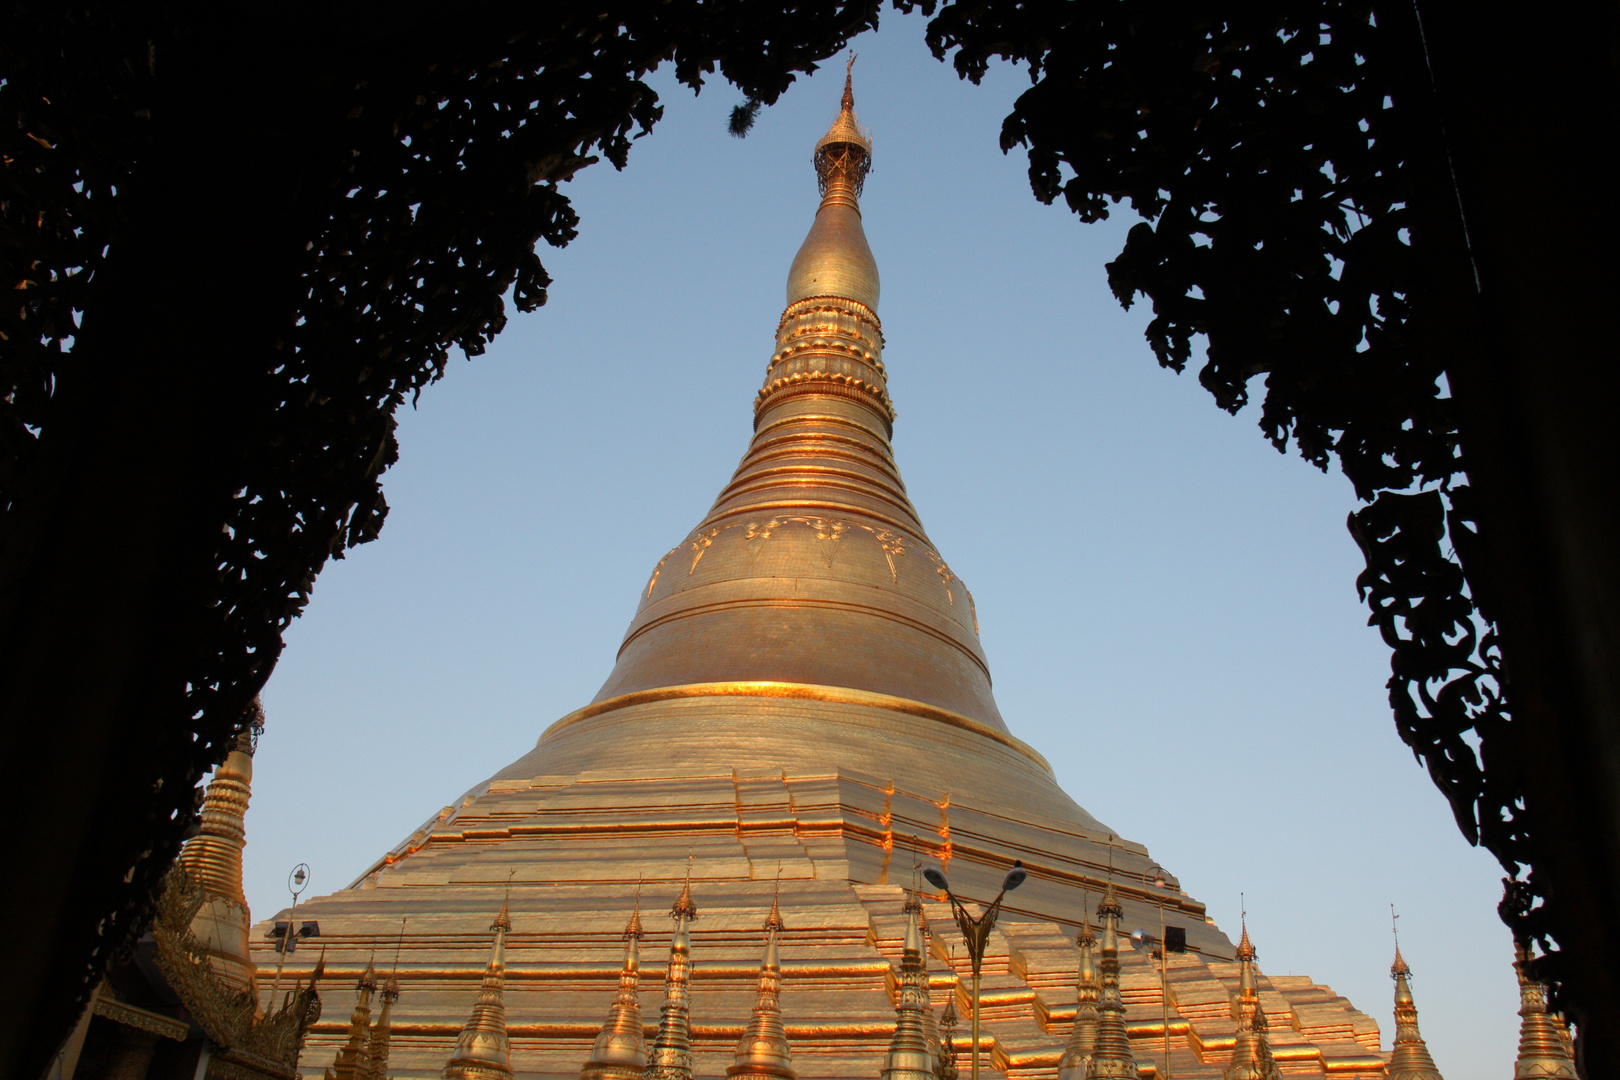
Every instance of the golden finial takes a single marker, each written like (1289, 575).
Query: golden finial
(1398, 968)
(1245, 949)
(773, 921)
(632, 929)
(503, 918)
(844, 155)
(1109, 906)
(684, 907)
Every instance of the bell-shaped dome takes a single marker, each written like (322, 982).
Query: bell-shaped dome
(835, 260)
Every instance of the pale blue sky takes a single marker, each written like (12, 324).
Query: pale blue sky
(1168, 605)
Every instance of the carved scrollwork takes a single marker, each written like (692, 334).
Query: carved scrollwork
(248, 1046)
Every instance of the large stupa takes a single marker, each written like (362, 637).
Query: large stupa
(800, 715)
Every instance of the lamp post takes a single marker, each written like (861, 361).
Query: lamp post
(976, 931)
(1164, 971)
(297, 882)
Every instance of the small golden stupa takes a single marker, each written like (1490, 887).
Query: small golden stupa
(799, 716)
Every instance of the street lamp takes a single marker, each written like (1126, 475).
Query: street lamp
(1171, 939)
(297, 882)
(976, 931)
(1164, 970)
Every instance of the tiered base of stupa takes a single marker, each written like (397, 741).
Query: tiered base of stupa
(630, 795)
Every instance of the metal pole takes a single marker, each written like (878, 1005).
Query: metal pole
(281, 954)
(297, 882)
(976, 933)
(976, 959)
(1164, 989)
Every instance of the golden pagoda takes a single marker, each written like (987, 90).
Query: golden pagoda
(763, 1052)
(1409, 1057)
(1251, 1053)
(1111, 1057)
(190, 1002)
(800, 702)
(910, 1056)
(1083, 1035)
(1544, 1044)
(620, 1050)
(483, 1050)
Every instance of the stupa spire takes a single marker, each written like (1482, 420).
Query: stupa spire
(909, 1056)
(947, 1041)
(213, 859)
(1111, 1058)
(1543, 1051)
(844, 154)
(483, 1051)
(1251, 1053)
(671, 1055)
(382, 1032)
(1409, 1057)
(354, 1055)
(763, 1052)
(620, 1051)
(1083, 1038)
(811, 575)
(835, 259)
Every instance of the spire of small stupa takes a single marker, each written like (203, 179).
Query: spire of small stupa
(1111, 1058)
(909, 1057)
(947, 1041)
(763, 1052)
(620, 1052)
(671, 1054)
(1251, 1053)
(354, 1055)
(213, 859)
(382, 1032)
(482, 1051)
(1543, 1053)
(1083, 1039)
(1409, 1057)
